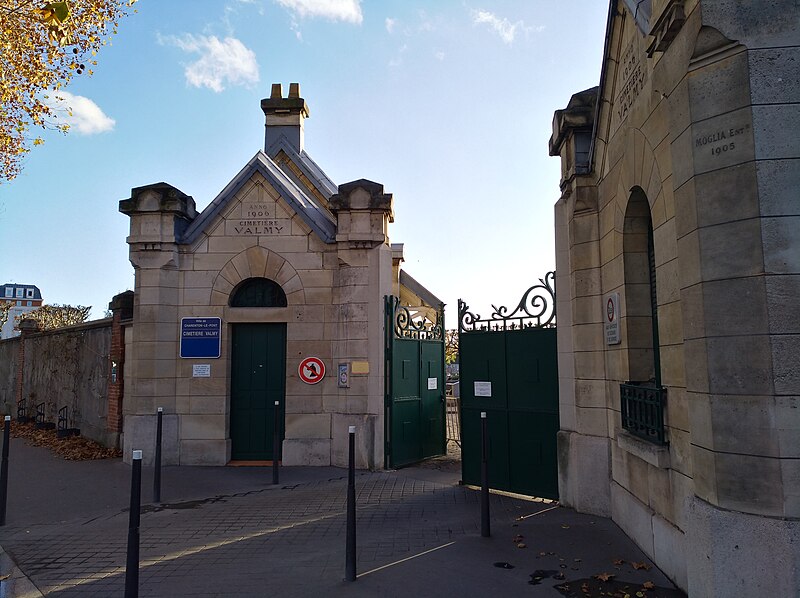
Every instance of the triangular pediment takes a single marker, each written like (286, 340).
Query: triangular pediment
(262, 199)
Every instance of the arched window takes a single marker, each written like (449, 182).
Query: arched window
(642, 397)
(258, 292)
(640, 291)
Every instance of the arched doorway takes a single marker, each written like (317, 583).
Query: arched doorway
(258, 374)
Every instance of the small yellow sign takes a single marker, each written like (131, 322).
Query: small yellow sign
(359, 368)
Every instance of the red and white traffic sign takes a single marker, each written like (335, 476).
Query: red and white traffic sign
(311, 370)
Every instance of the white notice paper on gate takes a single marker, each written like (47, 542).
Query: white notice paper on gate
(483, 389)
(433, 383)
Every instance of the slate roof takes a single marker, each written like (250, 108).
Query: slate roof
(420, 291)
(318, 218)
(304, 162)
(37, 294)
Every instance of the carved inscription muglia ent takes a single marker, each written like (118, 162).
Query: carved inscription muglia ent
(722, 140)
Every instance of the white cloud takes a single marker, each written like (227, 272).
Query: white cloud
(80, 113)
(390, 23)
(439, 55)
(398, 60)
(335, 10)
(502, 27)
(222, 62)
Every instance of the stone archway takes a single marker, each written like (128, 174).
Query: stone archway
(257, 262)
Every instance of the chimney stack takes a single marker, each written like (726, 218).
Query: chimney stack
(285, 116)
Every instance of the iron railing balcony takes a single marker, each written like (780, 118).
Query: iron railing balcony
(642, 407)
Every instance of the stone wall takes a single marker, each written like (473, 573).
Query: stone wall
(66, 367)
(9, 353)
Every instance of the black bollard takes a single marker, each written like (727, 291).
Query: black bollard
(132, 564)
(485, 527)
(350, 550)
(4, 469)
(276, 444)
(157, 464)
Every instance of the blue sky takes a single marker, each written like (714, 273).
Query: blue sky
(448, 104)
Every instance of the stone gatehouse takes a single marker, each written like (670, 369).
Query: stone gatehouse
(678, 276)
(242, 305)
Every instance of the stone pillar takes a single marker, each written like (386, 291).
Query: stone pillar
(159, 213)
(121, 307)
(584, 450)
(364, 277)
(738, 219)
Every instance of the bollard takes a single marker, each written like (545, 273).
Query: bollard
(276, 444)
(4, 469)
(485, 527)
(350, 550)
(157, 464)
(132, 563)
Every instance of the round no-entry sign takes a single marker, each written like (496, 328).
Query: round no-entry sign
(311, 370)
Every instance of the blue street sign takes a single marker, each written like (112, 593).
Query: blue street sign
(200, 337)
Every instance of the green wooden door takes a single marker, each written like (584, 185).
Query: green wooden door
(258, 379)
(522, 411)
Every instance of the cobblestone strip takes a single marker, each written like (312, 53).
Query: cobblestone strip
(245, 541)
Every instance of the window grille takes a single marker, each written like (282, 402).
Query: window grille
(642, 409)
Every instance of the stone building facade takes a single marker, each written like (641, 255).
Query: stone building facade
(293, 267)
(678, 276)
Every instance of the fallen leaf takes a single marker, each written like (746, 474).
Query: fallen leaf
(639, 594)
(648, 585)
(518, 538)
(559, 575)
(542, 554)
(564, 526)
(618, 561)
(521, 545)
(604, 576)
(71, 448)
(644, 566)
(4, 577)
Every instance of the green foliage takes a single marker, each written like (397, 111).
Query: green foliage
(451, 346)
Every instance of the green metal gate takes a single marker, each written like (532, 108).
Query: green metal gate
(415, 384)
(509, 369)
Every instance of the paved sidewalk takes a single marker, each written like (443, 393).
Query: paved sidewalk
(224, 531)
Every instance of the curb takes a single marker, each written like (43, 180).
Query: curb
(17, 584)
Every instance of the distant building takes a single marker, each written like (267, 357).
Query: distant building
(24, 298)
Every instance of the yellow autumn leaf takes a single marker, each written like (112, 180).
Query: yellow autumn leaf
(43, 45)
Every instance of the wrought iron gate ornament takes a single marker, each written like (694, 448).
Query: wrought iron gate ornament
(416, 322)
(536, 309)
